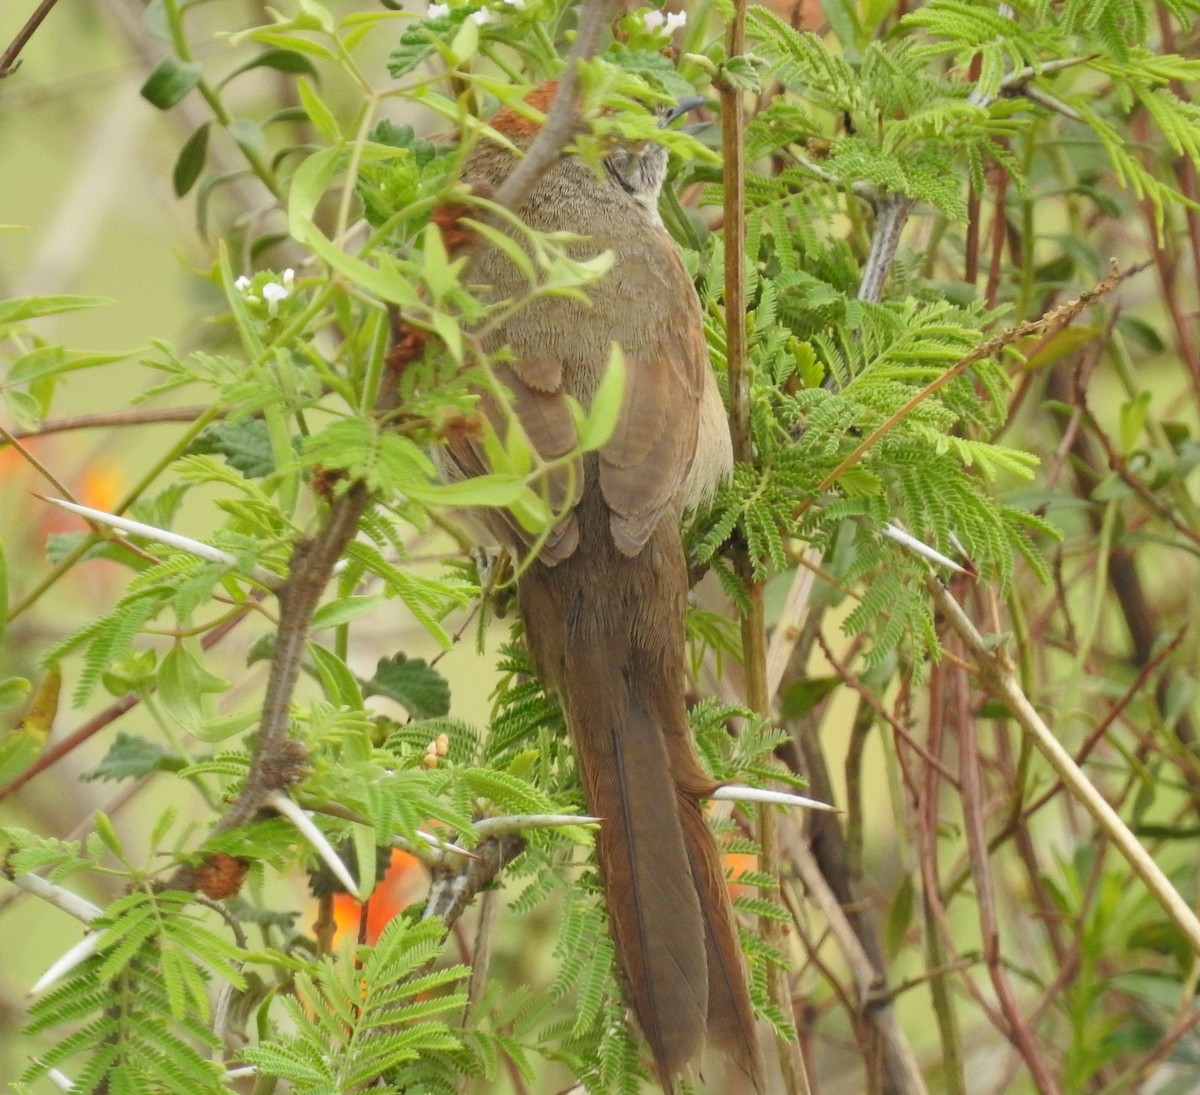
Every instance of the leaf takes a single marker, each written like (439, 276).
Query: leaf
(47, 361)
(23, 308)
(170, 81)
(183, 687)
(22, 745)
(246, 446)
(320, 115)
(421, 690)
(13, 691)
(601, 420)
(131, 757)
(343, 610)
(419, 40)
(483, 490)
(338, 683)
(190, 162)
(282, 60)
(900, 916)
(802, 696)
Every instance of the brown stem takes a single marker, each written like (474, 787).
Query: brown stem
(8, 59)
(972, 806)
(143, 417)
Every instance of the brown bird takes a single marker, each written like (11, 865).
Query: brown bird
(603, 603)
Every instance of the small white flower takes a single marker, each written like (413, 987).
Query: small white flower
(242, 284)
(436, 11)
(289, 278)
(273, 293)
(481, 16)
(518, 4)
(669, 21)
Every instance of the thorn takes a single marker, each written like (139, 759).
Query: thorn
(57, 896)
(77, 955)
(919, 547)
(439, 845)
(315, 837)
(60, 1080)
(738, 793)
(172, 539)
(495, 826)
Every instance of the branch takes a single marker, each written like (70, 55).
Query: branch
(8, 60)
(452, 890)
(998, 678)
(563, 115)
(874, 996)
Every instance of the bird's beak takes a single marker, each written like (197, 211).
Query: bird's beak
(684, 106)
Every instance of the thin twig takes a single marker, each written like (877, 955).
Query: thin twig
(997, 676)
(562, 119)
(1047, 323)
(871, 988)
(8, 60)
(144, 417)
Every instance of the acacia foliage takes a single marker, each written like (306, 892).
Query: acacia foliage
(1023, 146)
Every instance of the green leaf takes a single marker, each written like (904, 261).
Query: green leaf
(320, 115)
(483, 490)
(309, 183)
(190, 161)
(48, 361)
(132, 757)
(900, 916)
(420, 689)
(184, 685)
(338, 683)
(802, 696)
(343, 610)
(601, 420)
(282, 60)
(22, 308)
(419, 41)
(170, 81)
(246, 446)
(13, 691)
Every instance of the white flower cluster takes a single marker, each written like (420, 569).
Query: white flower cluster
(669, 21)
(273, 293)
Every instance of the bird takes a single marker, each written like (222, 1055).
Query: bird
(603, 599)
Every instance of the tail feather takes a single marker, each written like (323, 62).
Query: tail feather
(606, 631)
(730, 1019)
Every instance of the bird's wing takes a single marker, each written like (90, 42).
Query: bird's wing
(535, 404)
(644, 465)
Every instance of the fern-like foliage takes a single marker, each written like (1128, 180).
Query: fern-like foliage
(139, 1007)
(365, 1024)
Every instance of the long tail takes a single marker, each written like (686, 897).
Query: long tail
(606, 630)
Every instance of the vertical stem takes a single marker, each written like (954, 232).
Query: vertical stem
(753, 620)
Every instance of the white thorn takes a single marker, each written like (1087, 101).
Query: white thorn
(60, 1080)
(243, 1073)
(57, 896)
(919, 547)
(315, 837)
(171, 539)
(490, 826)
(737, 793)
(434, 842)
(81, 952)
